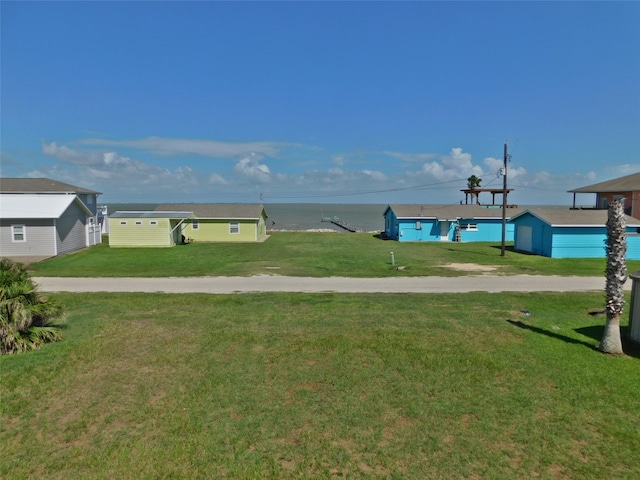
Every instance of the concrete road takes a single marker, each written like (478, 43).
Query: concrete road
(268, 283)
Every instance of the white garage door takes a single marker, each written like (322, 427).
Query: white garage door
(524, 238)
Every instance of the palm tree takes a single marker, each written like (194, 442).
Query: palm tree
(616, 276)
(473, 183)
(25, 316)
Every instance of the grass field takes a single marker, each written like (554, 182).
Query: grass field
(323, 386)
(312, 254)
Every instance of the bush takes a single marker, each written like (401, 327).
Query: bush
(26, 317)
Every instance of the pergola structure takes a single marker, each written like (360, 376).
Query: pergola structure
(475, 192)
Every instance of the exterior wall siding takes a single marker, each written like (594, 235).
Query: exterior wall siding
(40, 238)
(218, 231)
(390, 225)
(578, 242)
(589, 243)
(408, 231)
(90, 202)
(140, 235)
(431, 231)
(487, 231)
(635, 204)
(71, 232)
(262, 228)
(633, 246)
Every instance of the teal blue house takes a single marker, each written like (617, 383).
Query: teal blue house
(448, 223)
(566, 233)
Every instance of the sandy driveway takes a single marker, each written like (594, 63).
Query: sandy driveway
(274, 283)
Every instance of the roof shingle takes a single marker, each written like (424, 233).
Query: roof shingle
(216, 210)
(40, 185)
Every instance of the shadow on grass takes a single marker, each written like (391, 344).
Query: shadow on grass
(555, 335)
(381, 236)
(511, 248)
(595, 332)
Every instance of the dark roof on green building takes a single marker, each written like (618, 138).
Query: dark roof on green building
(237, 211)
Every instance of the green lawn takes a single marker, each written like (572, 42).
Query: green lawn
(322, 386)
(312, 254)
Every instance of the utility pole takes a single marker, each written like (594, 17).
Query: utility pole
(504, 200)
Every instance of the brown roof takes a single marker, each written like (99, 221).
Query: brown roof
(572, 218)
(628, 183)
(449, 212)
(216, 210)
(40, 185)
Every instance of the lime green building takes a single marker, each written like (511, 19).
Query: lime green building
(171, 224)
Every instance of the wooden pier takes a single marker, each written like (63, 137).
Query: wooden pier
(336, 221)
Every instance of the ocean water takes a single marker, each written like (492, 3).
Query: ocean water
(302, 216)
(308, 216)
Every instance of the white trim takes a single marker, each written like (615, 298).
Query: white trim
(237, 225)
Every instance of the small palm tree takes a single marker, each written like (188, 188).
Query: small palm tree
(473, 183)
(26, 317)
(616, 273)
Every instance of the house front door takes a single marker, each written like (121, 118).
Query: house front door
(444, 231)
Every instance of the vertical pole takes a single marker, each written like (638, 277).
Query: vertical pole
(504, 202)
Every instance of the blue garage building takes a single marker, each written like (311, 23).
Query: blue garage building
(566, 233)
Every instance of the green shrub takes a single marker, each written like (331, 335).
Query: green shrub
(26, 317)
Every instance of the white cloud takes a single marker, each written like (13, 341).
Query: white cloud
(496, 165)
(375, 175)
(456, 165)
(114, 172)
(412, 157)
(439, 179)
(251, 167)
(216, 179)
(624, 169)
(184, 146)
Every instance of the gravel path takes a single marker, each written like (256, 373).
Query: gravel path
(269, 283)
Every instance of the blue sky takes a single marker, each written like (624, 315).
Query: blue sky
(328, 102)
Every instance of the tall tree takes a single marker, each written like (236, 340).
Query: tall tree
(616, 276)
(26, 317)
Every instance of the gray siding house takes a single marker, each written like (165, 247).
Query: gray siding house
(43, 218)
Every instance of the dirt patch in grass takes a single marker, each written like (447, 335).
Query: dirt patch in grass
(472, 267)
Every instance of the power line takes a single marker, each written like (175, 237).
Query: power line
(369, 192)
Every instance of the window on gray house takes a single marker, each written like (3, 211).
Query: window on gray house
(18, 233)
